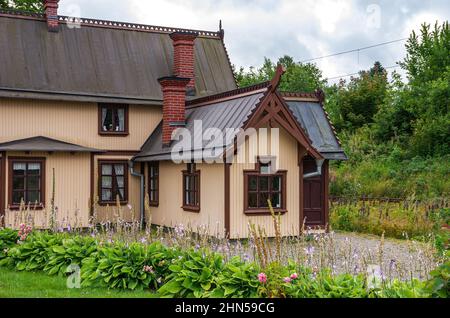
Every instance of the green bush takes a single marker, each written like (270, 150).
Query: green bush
(33, 253)
(325, 285)
(237, 280)
(193, 274)
(411, 218)
(136, 266)
(71, 251)
(398, 289)
(8, 238)
(439, 285)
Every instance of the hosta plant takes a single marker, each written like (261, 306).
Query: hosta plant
(136, 266)
(71, 251)
(237, 280)
(193, 274)
(8, 238)
(33, 253)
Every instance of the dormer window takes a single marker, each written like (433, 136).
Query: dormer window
(113, 119)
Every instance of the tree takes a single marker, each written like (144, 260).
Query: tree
(23, 5)
(417, 113)
(298, 76)
(355, 103)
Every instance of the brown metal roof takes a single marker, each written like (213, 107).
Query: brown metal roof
(222, 114)
(231, 109)
(102, 59)
(41, 143)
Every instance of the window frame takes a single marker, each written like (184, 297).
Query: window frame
(123, 133)
(153, 164)
(42, 179)
(191, 171)
(256, 172)
(102, 162)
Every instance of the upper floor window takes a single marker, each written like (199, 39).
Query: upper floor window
(261, 185)
(27, 179)
(113, 119)
(191, 188)
(153, 183)
(113, 181)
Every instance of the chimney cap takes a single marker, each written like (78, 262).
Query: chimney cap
(184, 35)
(175, 80)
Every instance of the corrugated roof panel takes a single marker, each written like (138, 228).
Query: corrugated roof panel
(92, 60)
(221, 115)
(313, 120)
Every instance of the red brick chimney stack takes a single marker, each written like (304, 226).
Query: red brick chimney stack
(174, 104)
(51, 14)
(183, 57)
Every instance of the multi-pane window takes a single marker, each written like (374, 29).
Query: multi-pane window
(113, 181)
(113, 119)
(153, 183)
(191, 188)
(262, 185)
(27, 181)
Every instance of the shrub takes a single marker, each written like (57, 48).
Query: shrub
(193, 274)
(324, 285)
(71, 251)
(399, 289)
(237, 280)
(136, 266)
(32, 254)
(439, 284)
(8, 238)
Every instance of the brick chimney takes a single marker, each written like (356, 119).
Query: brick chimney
(51, 14)
(174, 100)
(183, 57)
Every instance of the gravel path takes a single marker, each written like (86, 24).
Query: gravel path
(399, 258)
(354, 253)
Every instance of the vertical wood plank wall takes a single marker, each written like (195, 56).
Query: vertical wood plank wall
(73, 122)
(72, 173)
(290, 221)
(170, 213)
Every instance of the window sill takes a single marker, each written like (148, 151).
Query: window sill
(190, 208)
(32, 207)
(264, 211)
(111, 203)
(113, 133)
(154, 204)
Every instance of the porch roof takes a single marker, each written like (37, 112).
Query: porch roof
(41, 143)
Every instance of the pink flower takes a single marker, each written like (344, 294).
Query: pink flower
(262, 278)
(287, 280)
(294, 276)
(148, 269)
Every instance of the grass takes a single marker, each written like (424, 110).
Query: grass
(14, 284)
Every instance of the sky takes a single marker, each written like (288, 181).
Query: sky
(305, 29)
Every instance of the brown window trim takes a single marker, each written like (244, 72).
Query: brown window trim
(154, 164)
(101, 162)
(11, 161)
(264, 211)
(194, 173)
(113, 133)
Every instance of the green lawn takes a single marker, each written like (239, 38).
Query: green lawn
(39, 285)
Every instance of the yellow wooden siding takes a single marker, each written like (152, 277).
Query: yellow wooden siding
(72, 179)
(73, 122)
(128, 212)
(287, 159)
(170, 213)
